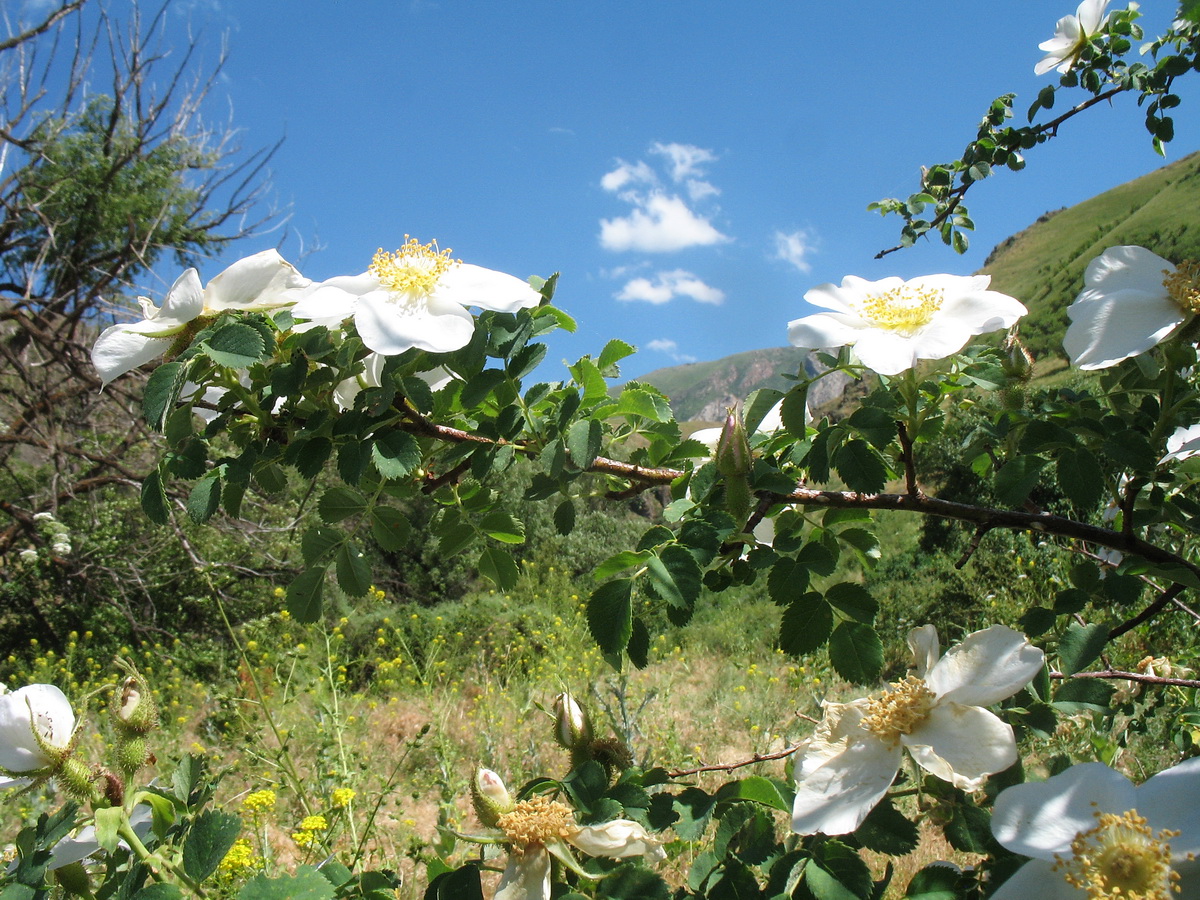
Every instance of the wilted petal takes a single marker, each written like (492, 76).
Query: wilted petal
(1040, 819)
(526, 877)
(618, 839)
(962, 744)
(470, 285)
(925, 647)
(988, 666)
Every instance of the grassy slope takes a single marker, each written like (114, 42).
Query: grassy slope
(1043, 265)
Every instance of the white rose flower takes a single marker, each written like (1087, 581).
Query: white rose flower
(1071, 35)
(1133, 300)
(937, 714)
(35, 721)
(1092, 834)
(894, 323)
(259, 282)
(415, 297)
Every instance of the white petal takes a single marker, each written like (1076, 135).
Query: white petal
(326, 303)
(470, 285)
(962, 744)
(618, 839)
(988, 666)
(885, 352)
(1090, 15)
(526, 877)
(1041, 818)
(256, 282)
(1109, 326)
(979, 310)
(390, 328)
(847, 781)
(825, 330)
(1184, 443)
(1169, 800)
(185, 300)
(1128, 267)
(923, 642)
(40, 706)
(119, 350)
(1037, 878)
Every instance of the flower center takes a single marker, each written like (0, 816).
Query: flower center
(1121, 859)
(899, 709)
(904, 309)
(1183, 285)
(537, 821)
(413, 269)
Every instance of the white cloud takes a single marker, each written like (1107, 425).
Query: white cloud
(666, 286)
(794, 248)
(686, 159)
(661, 221)
(670, 348)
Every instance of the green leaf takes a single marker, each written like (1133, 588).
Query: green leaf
(390, 527)
(502, 527)
(675, 575)
(236, 346)
(204, 499)
(339, 503)
(304, 595)
(1080, 477)
(1082, 695)
(860, 467)
(757, 790)
(969, 829)
(209, 839)
(610, 615)
(877, 425)
(630, 881)
(353, 572)
(758, 404)
(108, 820)
(395, 454)
(306, 884)
(154, 499)
(619, 562)
(564, 517)
(886, 830)
(1017, 478)
(856, 652)
(497, 564)
(614, 351)
(934, 882)
(806, 624)
(583, 442)
(476, 390)
(157, 892)
(309, 457)
(1080, 645)
(162, 393)
(794, 412)
(854, 600)
(319, 542)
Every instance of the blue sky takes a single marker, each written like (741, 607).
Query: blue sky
(690, 168)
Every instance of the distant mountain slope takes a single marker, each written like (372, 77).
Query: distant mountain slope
(1043, 265)
(703, 390)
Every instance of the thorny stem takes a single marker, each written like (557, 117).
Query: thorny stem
(729, 767)
(1141, 678)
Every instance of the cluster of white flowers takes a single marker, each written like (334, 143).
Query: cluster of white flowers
(56, 534)
(416, 297)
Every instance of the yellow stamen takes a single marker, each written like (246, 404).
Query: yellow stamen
(903, 309)
(413, 269)
(537, 821)
(1121, 859)
(1184, 285)
(899, 709)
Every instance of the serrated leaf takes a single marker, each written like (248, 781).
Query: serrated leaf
(856, 652)
(583, 442)
(639, 644)
(395, 454)
(353, 572)
(794, 412)
(806, 624)
(1080, 645)
(204, 499)
(787, 581)
(860, 467)
(934, 882)
(1082, 695)
(614, 351)
(208, 840)
(564, 517)
(162, 393)
(306, 884)
(390, 527)
(1017, 478)
(854, 600)
(502, 527)
(304, 595)
(1080, 477)
(154, 499)
(758, 404)
(476, 390)
(756, 789)
(619, 562)
(675, 575)
(235, 346)
(318, 542)
(497, 564)
(339, 503)
(610, 615)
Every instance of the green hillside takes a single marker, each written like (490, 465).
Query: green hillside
(1043, 265)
